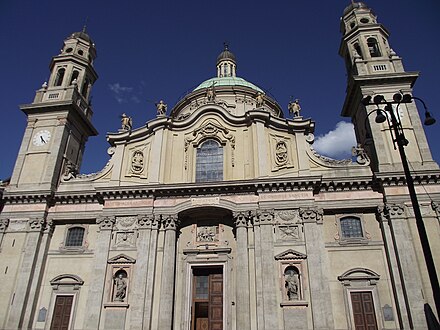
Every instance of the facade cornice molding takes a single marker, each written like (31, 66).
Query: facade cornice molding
(292, 125)
(397, 178)
(314, 184)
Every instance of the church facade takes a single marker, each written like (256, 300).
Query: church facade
(219, 214)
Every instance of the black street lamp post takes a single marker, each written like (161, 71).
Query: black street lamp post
(398, 136)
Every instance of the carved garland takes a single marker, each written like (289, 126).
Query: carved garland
(210, 130)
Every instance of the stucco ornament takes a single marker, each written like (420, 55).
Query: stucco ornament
(137, 162)
(360, 154)
(281, 156)
(207, 234)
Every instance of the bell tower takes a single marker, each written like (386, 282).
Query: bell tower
(374, 68)
(59, 119)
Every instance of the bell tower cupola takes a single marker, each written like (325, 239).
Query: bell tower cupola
(226, 65)
(365, 46)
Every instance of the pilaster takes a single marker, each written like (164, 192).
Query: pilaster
(399, 291)
(139, 283)
(318, 267)
(96, 286)
(242, 267)
(406, 256)
(29, 274)
(169, 223)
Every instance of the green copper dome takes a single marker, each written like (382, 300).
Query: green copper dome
(227, 81)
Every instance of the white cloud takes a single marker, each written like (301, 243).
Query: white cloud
(121, 93)
(337, 143)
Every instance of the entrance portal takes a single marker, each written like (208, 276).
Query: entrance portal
(207, 298)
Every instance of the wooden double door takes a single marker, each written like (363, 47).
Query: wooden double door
(207, 299)
(61, 312)
(363, 310)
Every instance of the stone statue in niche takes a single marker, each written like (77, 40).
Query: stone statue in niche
(161, 108)
(126, 122)
(206, 234)
(294, 108)
(137, 162)
(291, 283)
(281, 153)
(120, 286)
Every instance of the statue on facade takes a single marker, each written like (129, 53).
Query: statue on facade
(120, 287)
(259, 100)
(210, 94)
(291, 283)
(70, 171)
(294, 108)
(161, 108)
(126, 122)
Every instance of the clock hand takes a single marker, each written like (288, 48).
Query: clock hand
(42, 139)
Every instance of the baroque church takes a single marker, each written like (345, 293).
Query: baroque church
(218, 213)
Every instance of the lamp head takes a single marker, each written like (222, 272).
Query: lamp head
(366, 100)
(429, 120)
(378, 99)
(380, 116)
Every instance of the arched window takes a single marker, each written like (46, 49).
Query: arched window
(85, 88)
(373, 47)
(358, 49)
(75, 236)
(75, 75)
(209, 162)
(351, 227)
(59, 77)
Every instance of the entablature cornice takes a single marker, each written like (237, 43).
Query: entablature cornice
(397, 178)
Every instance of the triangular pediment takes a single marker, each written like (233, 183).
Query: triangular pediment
(289, 255)
(121, 259)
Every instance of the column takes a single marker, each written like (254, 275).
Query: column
(406, 256)
(96, 286)
(25, 275)
(318, 267)
(168, 268)
(140, 271)
(242, 271)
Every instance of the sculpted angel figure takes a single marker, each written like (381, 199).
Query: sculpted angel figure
(126, 122)
(294, 108)
(161, 108)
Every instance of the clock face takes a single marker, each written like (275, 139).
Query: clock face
(41, 138)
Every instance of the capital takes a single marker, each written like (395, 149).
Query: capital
(170, 222)
(240, 218)
(311, 215)
(105, 223)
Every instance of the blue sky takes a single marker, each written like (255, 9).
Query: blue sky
(152, 50)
